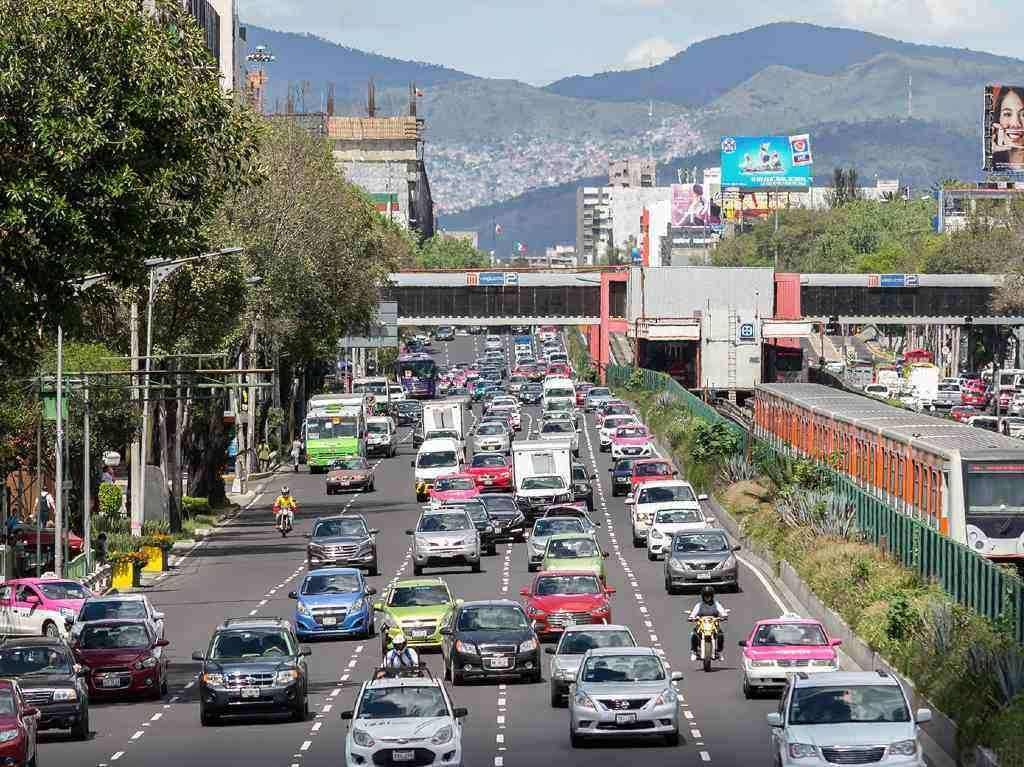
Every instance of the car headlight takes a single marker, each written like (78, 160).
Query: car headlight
(213, 680)
(667, 698)
(358, 605)
(67, 694)
(442, 736)
(536, 612)
(8, 735)
(802, 751)
(582, 700)
(286, 677)
(362, 738)
(68, 613)
(466, 648)
(903, 748)
(656, 534)
(301, 609)
(148, 662)
(829, 663)
(529, 645)
(538, 547)
(729, 563)
(675, 564)
(602, 610)
(760, 663)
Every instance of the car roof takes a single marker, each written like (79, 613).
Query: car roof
(241, 624)
(430, 510)
(559, 573)
(845, 678)
(491, 603)
(333, 571)
(564, 518)
(644, 461)
(570, 536)
(666, 483)
(439, 443)
(596, 627)
(129, 597)
(409, 681)
(705, 531)
(332, 517)
(623, 651)
(434, 581)
(14, 641)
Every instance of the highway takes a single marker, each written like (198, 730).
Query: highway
(247, 569)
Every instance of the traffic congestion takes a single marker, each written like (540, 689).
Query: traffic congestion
(484, 561)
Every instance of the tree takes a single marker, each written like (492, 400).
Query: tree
(844, 188)
(440, 252)
(116, 145)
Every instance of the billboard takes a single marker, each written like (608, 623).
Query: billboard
(1003, 136)
(767, 162)
(691, 206)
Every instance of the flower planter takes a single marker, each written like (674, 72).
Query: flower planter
(157, 559)
(125, 575)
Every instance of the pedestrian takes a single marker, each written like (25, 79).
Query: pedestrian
(11, 525)
(107, 478)
(101, 548)
(263, 454)
(296, 451)
(46, 509)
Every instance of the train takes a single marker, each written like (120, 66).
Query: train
(967, 483)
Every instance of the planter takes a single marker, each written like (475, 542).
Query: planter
(157, 559)
(125, 575)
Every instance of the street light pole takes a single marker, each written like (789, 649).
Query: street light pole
(140, 518)
(86, 480)
(58, 515)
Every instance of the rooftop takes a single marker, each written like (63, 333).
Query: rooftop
(373, 128)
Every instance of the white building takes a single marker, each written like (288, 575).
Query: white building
(608, 218)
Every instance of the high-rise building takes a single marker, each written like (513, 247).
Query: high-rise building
(225, 39)
(608, 222)
(634, 172)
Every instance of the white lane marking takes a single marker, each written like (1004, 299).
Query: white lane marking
(117, 756)
(262, 602)
(695, 733)
(705, 756)
(305, 745)
(499, 761)
(138, 734)
(253, 612)
(316, 726)
(155, 717)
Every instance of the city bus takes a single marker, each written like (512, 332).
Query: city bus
(334, 432)
(417, 373)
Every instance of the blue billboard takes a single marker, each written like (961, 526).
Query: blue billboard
(767, 162)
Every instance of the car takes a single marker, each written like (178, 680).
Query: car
(18, 723)
(49, 678)
(350, 473)
(481, 520)
(623, 691)
(493, 342)
(253, 666)
(516, 382)
(669, 519)
(963, 413)
(531, 394)
(342, 541)
(1017, 404)
(510, 410)
(574, 552)
(701, 558)
(453, 487)
(34, 601)
(444, 333)
(582, 388)
(131, 605)
(633, 441)
(381, 437)
(123, 658)
(491, 471)
(577, 509)
(574, 643)
(492, 436)
(975, 393)
(881, 391)
(409, 412)
(509, 522)
(395, 393)
(582, 487)
(595, 397)
(846, 717)
(435, 458)
(333, 601)
(490, 639)
(612, 407)
(443, 538)
(538, 492)
(775, 647)
(622, 472)
(948, 395)
(416, 607)
(557, 600)
(651, 496)
(404, 717)
(560, 430)
(606, 430)
(650, 470)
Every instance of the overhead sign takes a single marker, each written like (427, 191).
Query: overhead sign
(490, 279)
(512, 278)
(767, 162)
(1003, 136)
(894, 281)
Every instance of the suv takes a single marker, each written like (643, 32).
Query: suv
(51, 681)
(253, 665)
(848, 718)
(444, 537)
(404, 717)
(381, 437)
(342, 541)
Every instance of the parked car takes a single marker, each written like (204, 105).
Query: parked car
(18, 720)
(555, 601)
(698, 559)
(342, 541)
(574, 643)
(491, 639)
(123, 658)
(416, 607)
(34, 599)
(776, 646)
(51, 681)
(351, 473)
(333, 602)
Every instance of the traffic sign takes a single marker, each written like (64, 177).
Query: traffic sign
(512, 278)
(491, 279)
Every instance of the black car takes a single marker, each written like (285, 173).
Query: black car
(253, 666)
(481, 520)
(582, 489)
(490, 639)
(531, 394)
(342, 541)
(622, 473)
(445, 333)
(51, 681)
(409, 412)
(509, 522)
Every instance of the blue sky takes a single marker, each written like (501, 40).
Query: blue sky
(538, 41)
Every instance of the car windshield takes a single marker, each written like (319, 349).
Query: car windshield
(623, 668)
(631, 432)
(419, 596)
(413, 702)
(552, 482)
(599, 392)
(548, 585)
(436, 460)
(408, 405)
(579, 473)
(788, 634)
(844, 705)
(443, 523)
(578, 642)
(349, 526)
(678, 517)
(442, 434)
(652, 469)
(488, 460)
(616, 409)
(491, 429)
(492, 618)
(22, 661)
(6, 703)
(666, 494)
(337, 583)
(349, 464)
(63, 590)
(545, 527)
(378, 427)
(556, 427)
(99, 610)
(624, 465)
(571, 548)
(271, 643)
(101, 637)
(614, 423)
(445, 484)
(701, 542)
(499, 504)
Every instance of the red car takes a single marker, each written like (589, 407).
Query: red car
(453, 487)
(559, 599)
(18, 723)
(559, 369)
(491, 471)
(122, 658)
(976, 394)
(581, 392)
(650, 469)
(962, 413)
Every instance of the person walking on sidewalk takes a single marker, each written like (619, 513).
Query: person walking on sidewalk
(264, 456)
(296, 452)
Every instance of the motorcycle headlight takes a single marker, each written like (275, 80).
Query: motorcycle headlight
(529, 645)
(802, 751)
(301, 609)
(65, 695)
(286, 677)
(582, 700)
(362, 738)
(443, 735)
(903, 748)
(8, 735)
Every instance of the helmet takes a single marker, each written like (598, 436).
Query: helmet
(707, 594)
(398, 642)
(285, 490)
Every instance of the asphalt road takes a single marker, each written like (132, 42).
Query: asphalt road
(249, 570)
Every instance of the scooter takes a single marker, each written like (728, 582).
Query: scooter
(707, 629)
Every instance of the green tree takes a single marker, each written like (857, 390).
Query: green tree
(116, 145)
(440, 252)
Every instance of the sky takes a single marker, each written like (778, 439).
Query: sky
(539, 41)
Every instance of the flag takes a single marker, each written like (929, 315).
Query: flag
(497, 229)
(419, 93)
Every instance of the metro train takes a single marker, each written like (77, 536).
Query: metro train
(967, 483)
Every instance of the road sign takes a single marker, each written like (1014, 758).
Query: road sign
(491, 279)
(512, 279)
(894, 281)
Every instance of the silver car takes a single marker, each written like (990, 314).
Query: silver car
(571, 648)
(543, 529)
(445, 537)
(701, 558)
(492, 437)
(623, 691)
(561, 430)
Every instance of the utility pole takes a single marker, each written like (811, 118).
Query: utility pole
(39, 486)
(58, 515)
(251, 438)
(136, 477)
(86, 482)
(144, 452)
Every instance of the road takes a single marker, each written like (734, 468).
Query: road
(248, 570)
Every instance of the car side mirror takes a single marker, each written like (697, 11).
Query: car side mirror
(412, 464)
(923, 715)
(611, 469)
(597, 523)
(373, 531)
(742, 643)
(370, 591)
(549, 650)
(158, 616)
(702, 497)
(677, 676)
(307, 535)
(82, 672)
(774, 719)
(525, 591)
(460, 713)
(409, 532)
(835, 642)
(305, 651)
(736, 548)
(610, 590)
(605, 554)
(293, 595)
(593, 475)
(346, 715)
(162, 643)
(196, 655)
(628, 500)
(459, 601)
(445, 631)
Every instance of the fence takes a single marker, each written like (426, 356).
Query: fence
(76, 568)
(971, 580)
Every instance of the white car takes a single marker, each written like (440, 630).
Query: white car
(381, 436)
(561, 429)
(399, 719)
(493, 342)
(609, 426)
(669, 519)
(651, 496)
(492, 437)
(395, 393)
(131, 606)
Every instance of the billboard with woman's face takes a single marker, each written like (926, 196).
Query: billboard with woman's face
(1003, 138)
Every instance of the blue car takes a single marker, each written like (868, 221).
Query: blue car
(622, 473)
(334, 602)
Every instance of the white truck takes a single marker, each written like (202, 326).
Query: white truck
(542, 475)
(923, 380)
(447, 416)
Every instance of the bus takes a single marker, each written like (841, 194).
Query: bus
(417, 373)
(331, 433)
(377, 388)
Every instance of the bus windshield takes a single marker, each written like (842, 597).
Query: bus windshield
(373, 387)
(331, 428)
(416, 369)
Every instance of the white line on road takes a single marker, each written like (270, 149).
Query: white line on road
(705, 756)
(138, 734)
(305, 745)
(117, 756)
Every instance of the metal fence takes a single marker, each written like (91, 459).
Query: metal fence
(971, 580)
(76, 568)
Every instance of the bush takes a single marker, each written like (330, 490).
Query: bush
(109, 499)
(116, 525)
(191, 507)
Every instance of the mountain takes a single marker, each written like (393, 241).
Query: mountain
(710, 68)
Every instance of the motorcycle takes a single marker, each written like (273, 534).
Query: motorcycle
(283, 520)
(708, 629)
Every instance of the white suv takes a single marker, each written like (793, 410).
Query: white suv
(846, 718)
(404, 718)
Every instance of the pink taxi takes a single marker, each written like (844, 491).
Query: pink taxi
(777, 647)
(632, 441)
(453, 487)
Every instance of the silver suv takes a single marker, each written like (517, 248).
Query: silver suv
(445, 537)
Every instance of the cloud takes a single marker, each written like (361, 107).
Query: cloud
(939, 19)
(651, 51)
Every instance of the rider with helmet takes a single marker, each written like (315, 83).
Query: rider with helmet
(401, 655)
(285, 504)
(707, 606)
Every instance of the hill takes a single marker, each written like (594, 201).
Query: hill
(708, 69)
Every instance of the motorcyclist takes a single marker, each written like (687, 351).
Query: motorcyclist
(707, 606)
(401, 655)
(285, 505)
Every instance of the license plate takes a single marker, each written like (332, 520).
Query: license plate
(250, 692)
(625, 718)
(703, 576)
(419, 633)
(488, 481)
(499, 662)
(329, 621)
(402, 756)
(110, 681)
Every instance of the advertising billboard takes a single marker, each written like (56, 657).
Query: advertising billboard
(767, 162)
(1003, 136)
(691, 206)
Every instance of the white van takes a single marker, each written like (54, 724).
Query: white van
(436, 458)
